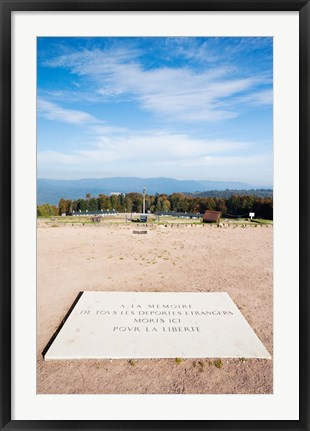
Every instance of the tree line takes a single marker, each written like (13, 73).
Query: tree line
(259, 193)
(235, 205)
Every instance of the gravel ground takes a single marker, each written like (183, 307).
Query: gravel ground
(198, 258)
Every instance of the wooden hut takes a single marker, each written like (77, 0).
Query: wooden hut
(211, 216)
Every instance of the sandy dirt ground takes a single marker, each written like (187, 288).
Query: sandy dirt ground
(107, 257)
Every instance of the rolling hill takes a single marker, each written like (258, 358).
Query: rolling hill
(50, 191)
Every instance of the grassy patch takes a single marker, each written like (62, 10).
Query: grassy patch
(178, 360)
(218, 363)
(262, 221)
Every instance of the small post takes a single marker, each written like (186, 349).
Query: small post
(251, 215)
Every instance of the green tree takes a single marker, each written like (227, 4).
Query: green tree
(114, 202)
(92, 204)
(211, 204)
(265, 209)
(193, 204)
(162, 203)
(62, 206)
(81, 205)
(178, 202)
(104, 202)
(137, 201)
(221, 205)
(46, 210)
(128, 204)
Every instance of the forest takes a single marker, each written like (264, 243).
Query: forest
(233, 206)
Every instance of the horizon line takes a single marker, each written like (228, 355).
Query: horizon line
(153, 178)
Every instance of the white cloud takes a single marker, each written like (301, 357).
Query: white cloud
(151, 149)
(199, 84)
(158, 154)
(107, 130)
(180, 94)
(54, 158)
(174, 93)
(260, 98)
(93, 61)
(154, 147)
(187, 47)
(51, 111)
(226, 161)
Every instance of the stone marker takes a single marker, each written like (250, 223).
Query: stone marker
(155, 325)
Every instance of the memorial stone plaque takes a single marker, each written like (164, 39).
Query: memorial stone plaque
(155, 325)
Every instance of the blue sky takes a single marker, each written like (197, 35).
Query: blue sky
(184, 108)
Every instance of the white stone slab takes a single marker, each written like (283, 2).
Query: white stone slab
(155, 325)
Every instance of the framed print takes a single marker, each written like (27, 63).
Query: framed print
(154, 214)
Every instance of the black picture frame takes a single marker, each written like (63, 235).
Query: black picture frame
(9, 6)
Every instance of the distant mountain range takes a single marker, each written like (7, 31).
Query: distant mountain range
(51, 191)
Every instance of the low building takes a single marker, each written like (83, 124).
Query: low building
(178, 214)
(211, 216)
(92, 213)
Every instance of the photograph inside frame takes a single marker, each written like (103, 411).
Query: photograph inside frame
(154, 215)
